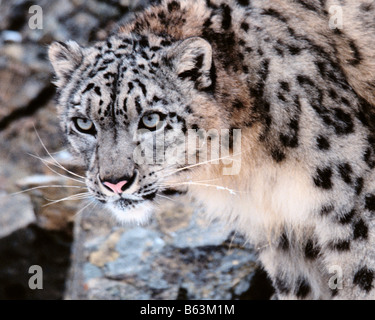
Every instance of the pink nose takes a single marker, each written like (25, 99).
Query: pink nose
(116, 188)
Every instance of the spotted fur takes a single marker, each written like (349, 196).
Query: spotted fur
(302, 95)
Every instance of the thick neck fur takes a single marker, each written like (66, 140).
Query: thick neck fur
(263, 200)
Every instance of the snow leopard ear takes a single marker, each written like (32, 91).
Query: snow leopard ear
(192, 60)
(65, 58)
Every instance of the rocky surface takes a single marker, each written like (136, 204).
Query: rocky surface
(84, 254)
(19, 213)
(180, 255)
(23, 244)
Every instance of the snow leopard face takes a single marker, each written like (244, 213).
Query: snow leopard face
(127, 106)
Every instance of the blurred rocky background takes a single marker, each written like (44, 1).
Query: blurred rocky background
(83, 253)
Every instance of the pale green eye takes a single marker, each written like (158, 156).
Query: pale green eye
(151, 120)
(84, 125)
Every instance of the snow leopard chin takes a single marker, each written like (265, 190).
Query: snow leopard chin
(139, 214)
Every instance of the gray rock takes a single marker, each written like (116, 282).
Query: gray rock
(16, 76)
(135, 242)
(23, 244)
(201, 233)
(16, 212)
(177, 260)
(75, 23)
(136, 247)
(121, 268)
(90, 271)
(46, 192)
(104, 289)
(10, 36)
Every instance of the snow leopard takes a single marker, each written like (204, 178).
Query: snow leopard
(287, 87)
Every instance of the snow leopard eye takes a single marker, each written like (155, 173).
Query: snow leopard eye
(152, 121)
(84, 125)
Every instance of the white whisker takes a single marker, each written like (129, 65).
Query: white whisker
(232, 239)
(58, 173)
(74, 197)
(165, 197)
(202, 163)
(207, 180)
(86, 206)
(50, 186)
(71, 197)
(218, 187)
(56, 165)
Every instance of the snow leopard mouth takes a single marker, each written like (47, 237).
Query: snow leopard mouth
(132, 199)
(125, 204)
(135, 210)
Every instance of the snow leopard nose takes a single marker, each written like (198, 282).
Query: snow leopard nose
(120, 185)
(116, 188)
